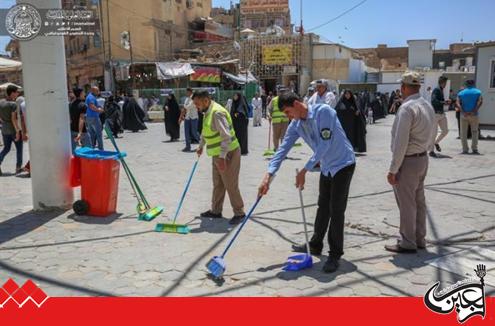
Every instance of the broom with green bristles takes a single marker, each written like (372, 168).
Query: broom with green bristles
(173, 227)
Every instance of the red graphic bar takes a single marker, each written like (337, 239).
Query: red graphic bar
(235, 311)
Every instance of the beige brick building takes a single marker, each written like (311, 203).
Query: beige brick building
(157, 28)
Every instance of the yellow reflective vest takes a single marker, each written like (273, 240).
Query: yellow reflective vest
(212, 137)
(277, 115)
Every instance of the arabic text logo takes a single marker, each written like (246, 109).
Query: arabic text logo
(467, 297)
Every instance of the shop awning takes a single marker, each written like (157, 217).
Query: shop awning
(4, 86)
(170, 70)
(9, 65)
(241, 78)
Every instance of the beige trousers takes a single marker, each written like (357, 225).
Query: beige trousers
(279, 130)
(440, 121)
(473, 121)
(410, 197)
(227, 180)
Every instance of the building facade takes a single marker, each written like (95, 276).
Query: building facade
(259, 15)
(156, 29)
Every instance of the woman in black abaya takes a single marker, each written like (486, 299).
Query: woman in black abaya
(172, 116)
(352, 120)
(133, 115)
(240, 120)
(113, 116)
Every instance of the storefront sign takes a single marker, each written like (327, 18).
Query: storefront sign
(277, 54)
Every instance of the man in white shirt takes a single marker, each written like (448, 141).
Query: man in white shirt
(412, 131)
(257, 104)
(323, 95)
(190, 117)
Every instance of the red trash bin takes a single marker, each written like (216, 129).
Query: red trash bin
(99, 180)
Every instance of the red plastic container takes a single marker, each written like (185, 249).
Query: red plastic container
(100, 182)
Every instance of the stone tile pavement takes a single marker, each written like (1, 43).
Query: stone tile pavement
(70, 255)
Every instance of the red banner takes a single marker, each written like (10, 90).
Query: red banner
(233, 311)
(206, 74)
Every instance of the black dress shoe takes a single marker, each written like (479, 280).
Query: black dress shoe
(433, 154)
(210, 214)
(437, 146)
(331, 265)
(237, 219)
(398, 249)
(302, 248)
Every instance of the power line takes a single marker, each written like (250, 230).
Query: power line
(339, 16)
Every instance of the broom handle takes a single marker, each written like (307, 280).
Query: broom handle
(134, 183)
(132, 180)
(241, 226)
(269, 134)
(185, 190)
(304, 217)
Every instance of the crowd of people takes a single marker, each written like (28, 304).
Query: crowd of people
(90, 112)
(334, 128)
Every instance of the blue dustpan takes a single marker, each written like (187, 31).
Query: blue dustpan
(298, 262)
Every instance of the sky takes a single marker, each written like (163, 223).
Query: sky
(391, 22)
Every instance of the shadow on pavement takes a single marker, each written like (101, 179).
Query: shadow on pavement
(41, 245)
(40, 278)
(94, 219)
(25, 223)
(212, 225)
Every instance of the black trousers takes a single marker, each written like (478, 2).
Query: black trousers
(332, 203)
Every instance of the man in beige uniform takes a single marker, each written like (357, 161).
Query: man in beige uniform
(221, 144)
(412, 132)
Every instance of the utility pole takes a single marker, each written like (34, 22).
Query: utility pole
(109, 40)
(45, 85)
(132, 71)
(301, 48)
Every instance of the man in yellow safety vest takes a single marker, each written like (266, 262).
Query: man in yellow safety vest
(279, 121)
(222, 145)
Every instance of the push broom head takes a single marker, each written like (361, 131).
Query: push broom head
(172, 228)
(151, 214)
(216, 266)
(298, 262)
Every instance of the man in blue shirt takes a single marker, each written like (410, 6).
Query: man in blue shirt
(333, 156)
(469, 102)
(93, 122)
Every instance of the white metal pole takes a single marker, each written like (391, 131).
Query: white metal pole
(45, 87)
